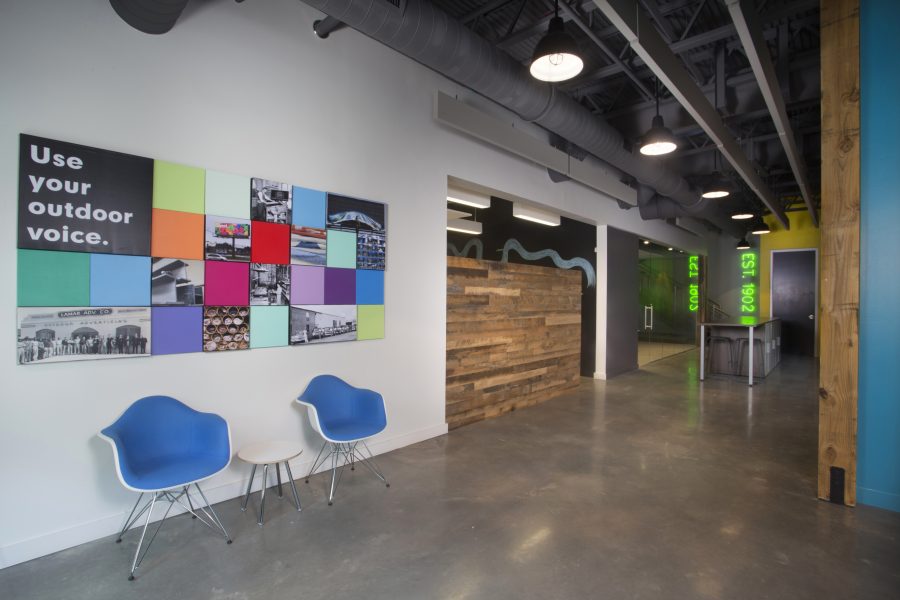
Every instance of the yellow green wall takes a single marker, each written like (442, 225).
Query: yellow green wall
(802, 234)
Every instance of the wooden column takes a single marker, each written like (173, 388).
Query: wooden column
(839, 364)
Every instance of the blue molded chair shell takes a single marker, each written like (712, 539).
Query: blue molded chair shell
(342, 413)
(160, 443)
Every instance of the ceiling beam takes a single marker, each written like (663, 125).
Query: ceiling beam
(647, 43)
(757, 50)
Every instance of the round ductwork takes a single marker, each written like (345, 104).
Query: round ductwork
(149, 16)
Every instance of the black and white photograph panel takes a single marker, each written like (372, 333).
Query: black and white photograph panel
(313, 324)
(61, 334)
(227, 239)
(370, 250)
(270, 285)
(270, 201)
(352, 214)
(176, 282)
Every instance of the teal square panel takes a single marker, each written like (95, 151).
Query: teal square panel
(54, 278)
(270, 326)
(119, 280)
(309, 208)
(340, 249)
(369, 287)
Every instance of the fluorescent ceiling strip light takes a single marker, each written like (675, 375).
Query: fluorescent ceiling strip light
(464, 226)
(535, 215)
(467, 198)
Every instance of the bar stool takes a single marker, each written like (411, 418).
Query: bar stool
(758, 352)
(716, 341)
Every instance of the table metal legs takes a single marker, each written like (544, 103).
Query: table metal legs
(265, 482)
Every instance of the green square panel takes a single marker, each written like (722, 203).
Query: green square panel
(340, 249)
(178, 187)
(370, 321)
(269, 326)
(54, 278)
(227, 195)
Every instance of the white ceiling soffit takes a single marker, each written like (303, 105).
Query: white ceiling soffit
(469, 120)
(458, 214)
(746, 21)
(630, 20)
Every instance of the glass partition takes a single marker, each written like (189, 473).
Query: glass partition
(666, 324)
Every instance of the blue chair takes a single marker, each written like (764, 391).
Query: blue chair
(345, 416)
(162, 447)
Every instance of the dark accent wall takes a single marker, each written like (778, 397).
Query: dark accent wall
(622, 302)
(571, 239)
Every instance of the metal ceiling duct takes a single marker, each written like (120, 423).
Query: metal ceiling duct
(426, 34)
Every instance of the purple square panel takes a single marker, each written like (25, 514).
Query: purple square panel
(340, 286)
(307, 285)
(177, 329)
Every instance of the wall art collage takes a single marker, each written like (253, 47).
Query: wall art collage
(122, 256)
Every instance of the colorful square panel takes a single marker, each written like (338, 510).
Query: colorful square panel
(270, 201)
(118, 280)
(371, 322)
(270, 326)
(340, 286)
(226, 328)
(271, 243)
(177, 329)
(341, 249)
(177, 234)
(227, 283)
(228, 239)
(178, 187)
(308, 245)
(309, 208)
(47, 278)
(370, 287)
(307, 285)
(177, 282)
(226, 195)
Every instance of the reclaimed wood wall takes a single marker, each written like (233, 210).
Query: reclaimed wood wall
(513, 336)
(839, 354)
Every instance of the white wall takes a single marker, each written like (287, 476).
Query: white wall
(243, 88)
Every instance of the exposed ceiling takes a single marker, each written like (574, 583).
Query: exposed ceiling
(618, 86)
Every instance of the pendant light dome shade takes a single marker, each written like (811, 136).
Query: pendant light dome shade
(760, 228)
(743, 244)
(659, 139)
(716, 187)
(556, 56)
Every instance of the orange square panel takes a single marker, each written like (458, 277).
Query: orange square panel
(177, 234)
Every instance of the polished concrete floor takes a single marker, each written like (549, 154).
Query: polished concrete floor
(649, 352)
(646, 486)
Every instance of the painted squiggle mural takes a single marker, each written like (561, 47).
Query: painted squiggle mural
(473, 243)
(562, 263)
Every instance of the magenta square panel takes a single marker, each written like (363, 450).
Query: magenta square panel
(307, 285)
(227, 283)
(340, 286)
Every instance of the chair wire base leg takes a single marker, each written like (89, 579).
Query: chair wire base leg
(129, 521)
(370, 462)
(215, 516)
(316, 462)
(190, 504)
(137, 551)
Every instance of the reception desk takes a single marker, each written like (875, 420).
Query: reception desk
(754, 343)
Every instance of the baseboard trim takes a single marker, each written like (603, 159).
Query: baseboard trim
(877, 498)
(61, 539)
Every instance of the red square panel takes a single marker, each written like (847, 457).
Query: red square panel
(271, 243)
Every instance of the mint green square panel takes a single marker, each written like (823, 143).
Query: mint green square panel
(54, 278)
(227, 195)
(178, 187)
(268, 326)
(340, 249)
(370, 321)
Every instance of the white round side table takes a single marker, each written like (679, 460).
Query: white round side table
(269, 453)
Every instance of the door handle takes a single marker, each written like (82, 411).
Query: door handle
(812, 317)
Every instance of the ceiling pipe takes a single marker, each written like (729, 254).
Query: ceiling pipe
(750, 32)
(631, 21)
(149, 16)
(324, 27)
(653, 206)
(428, 35)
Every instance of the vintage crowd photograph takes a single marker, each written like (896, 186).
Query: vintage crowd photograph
(62, 334)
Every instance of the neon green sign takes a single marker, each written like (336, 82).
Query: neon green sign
(749, 273)
(694, 285)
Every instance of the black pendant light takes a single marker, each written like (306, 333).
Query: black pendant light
(743, 244)
(659, 139)
(760, 228)
(716, 185)
(556, 56)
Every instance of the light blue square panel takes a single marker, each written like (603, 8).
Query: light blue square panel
(369, 287)
(309, 208)
(119, 280)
